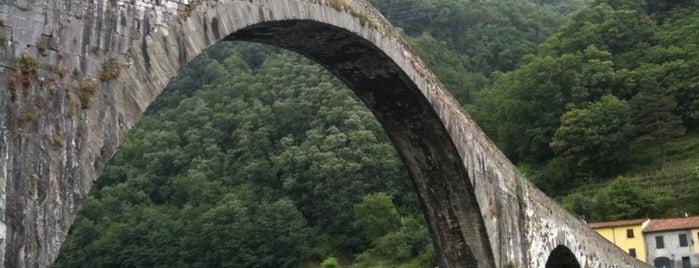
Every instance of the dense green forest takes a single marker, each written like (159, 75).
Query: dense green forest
(261, 167)
(256, 157)
(614, 92)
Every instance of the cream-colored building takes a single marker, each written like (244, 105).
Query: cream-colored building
(672, 243)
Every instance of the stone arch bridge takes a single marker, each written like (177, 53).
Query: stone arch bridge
(76, 75)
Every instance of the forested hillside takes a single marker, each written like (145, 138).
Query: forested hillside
(256, 157)
(608, 95)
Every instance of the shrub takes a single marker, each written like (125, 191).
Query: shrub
(86, 90)
(110, 70)
(25, 69)
(330, 262)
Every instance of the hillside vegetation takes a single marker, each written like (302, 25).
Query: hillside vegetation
(256, 157)
(614, 93)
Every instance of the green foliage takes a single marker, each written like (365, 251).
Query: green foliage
(403, 244)
(616, 28)
(406, 246)
(330, 262)
(376, 216)
(450, 65)
(659, 6)
(540, 114)
(596, 138)
(24, 70)
(28, 65)
(554, 177)
(464, 42)
(654, 118)
(260, 166)
(523, 107)
(624, 198)
(694, 180)
(674, 187)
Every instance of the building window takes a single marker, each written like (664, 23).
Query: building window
(632, 252)
(659, 243)
(629, 233)
(686, 263)
(683, 240)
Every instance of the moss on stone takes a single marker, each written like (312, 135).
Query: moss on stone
(41, 47)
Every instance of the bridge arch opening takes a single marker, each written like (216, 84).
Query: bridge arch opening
(408, 118)
(410, 121)
(562, 257)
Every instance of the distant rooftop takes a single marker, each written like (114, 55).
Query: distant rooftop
(595, 225)
(659, 225)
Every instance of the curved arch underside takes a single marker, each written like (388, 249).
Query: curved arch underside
(409, 120)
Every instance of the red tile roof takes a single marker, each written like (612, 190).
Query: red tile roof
(658, 225)
(595, 225)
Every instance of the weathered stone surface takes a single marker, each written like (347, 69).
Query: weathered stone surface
(62, 124)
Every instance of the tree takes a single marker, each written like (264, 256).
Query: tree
(523, 107)
(580, 205)
(659, 6)
(694, 179)
(596, 138)
(405, 243)
(623, 199)
(653, 117)
(330, 262)
(376, 216)
(239, 233)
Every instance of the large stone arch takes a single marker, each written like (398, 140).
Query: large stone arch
(410, 122)
(62, 124)
(407, 117)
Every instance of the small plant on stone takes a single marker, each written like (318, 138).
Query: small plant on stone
(110, 70)
(86, 90)
(24, 70)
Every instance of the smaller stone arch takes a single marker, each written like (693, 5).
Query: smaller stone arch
(662, 262)
(562, 257)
